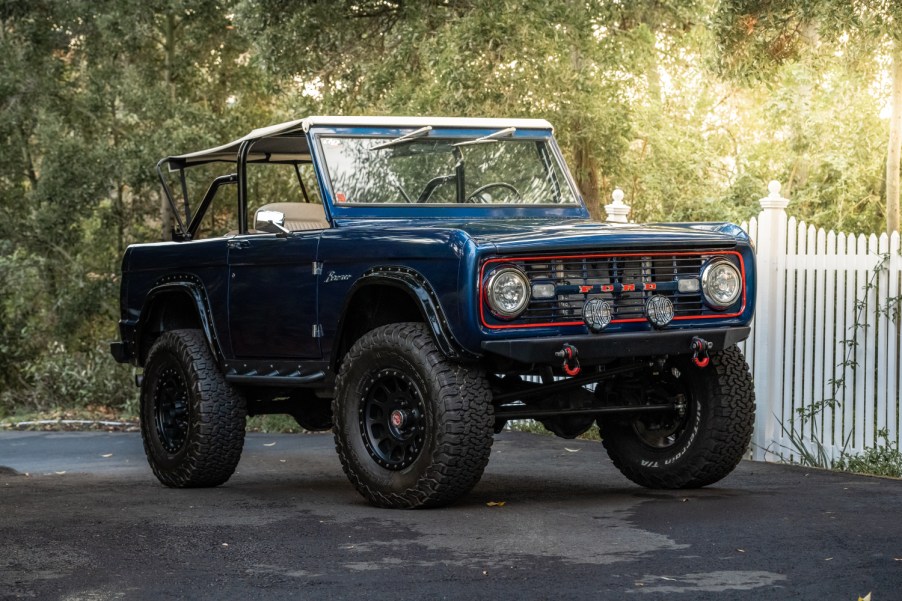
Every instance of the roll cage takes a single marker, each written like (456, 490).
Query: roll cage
(289, 143)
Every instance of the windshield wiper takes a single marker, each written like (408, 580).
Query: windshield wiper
(405, 138)
(509, 131)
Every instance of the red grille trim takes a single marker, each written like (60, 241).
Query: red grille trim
(511, 326)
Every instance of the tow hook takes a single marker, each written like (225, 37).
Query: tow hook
(570, 356)
(699, 348)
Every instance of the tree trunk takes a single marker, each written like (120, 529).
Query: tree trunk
(165, 218)
(169, 49)
(894, 149)
(586, 174)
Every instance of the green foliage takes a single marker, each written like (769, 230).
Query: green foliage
(880, 460)
(92, 95)
(820, 61)
(756, 37)
(528, 425)
(76, 379)
(270, 424)
(535, 427)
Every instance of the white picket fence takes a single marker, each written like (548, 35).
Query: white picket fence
(826, 327)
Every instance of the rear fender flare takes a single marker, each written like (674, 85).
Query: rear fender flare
(187, 287)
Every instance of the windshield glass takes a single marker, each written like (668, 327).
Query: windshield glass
(430, 170)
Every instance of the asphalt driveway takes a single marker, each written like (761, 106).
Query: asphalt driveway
(90, 522)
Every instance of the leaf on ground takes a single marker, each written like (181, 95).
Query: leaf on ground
(107, 455)
(495, 503)
(269, 444)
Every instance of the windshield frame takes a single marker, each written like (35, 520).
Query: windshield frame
(442, 210)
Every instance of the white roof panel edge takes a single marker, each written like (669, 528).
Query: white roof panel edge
(424, 121)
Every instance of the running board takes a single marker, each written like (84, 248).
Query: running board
(294, 379)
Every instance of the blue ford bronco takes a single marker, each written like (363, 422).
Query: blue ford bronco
(415, 284)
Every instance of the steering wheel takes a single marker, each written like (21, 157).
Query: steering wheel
(431, 186)
(476, 196)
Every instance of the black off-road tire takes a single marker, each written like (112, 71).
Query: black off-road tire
(201, 441)
(714, 436)
(448, 412)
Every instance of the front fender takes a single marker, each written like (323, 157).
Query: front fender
(421, 292)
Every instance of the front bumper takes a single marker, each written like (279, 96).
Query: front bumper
(600, 347)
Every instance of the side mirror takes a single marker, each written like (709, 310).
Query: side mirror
(270, 221)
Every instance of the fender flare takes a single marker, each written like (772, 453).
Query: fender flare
(421, 292)
(185, 286)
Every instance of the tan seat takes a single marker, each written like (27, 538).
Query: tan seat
(298, 216)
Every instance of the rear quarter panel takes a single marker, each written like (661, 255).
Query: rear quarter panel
(146, 266)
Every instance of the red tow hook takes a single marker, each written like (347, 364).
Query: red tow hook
(699, 348)
(570, 356)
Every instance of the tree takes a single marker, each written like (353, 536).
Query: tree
(571, 62)
(91, 100)
(755, 37)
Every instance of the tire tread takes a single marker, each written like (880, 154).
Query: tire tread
(464, 440)
(728, 431)
(217, 436)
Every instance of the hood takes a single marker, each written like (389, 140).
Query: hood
(527, 235)
(545, 235)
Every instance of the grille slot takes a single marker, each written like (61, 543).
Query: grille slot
(618, 279)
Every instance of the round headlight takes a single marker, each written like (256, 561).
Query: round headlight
(507, 292)
(721, 284)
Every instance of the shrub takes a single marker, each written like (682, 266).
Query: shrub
(63, 378)
(881, 460)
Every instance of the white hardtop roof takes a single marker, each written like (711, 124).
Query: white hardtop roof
(229, 152)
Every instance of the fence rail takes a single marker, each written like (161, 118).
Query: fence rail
(826, 335)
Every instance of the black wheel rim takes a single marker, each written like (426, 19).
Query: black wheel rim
(392, 419)
(662, 433)
(170, 409)
(665, 430)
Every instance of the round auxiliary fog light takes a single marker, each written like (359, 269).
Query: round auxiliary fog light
(659, 310)
(597, 314)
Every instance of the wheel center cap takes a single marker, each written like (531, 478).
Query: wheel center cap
(398, 418)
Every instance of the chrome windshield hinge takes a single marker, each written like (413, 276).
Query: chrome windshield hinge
(317, 330)
(317, 268)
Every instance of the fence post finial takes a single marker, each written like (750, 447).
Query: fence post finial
(774, 200)
(617, 211)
